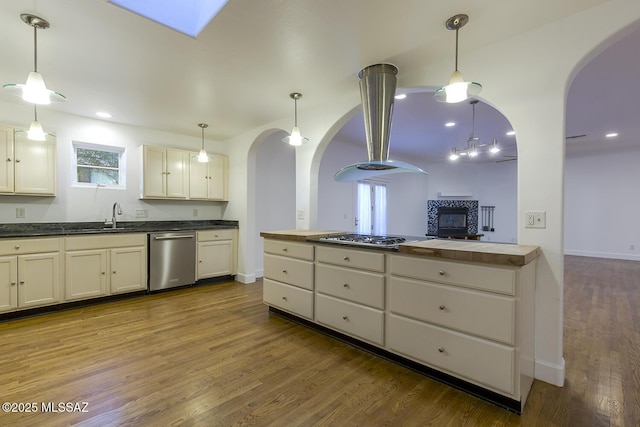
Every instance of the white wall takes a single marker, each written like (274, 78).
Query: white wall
(491, 184)
(275, 186)
(602, 202)
(77, 204)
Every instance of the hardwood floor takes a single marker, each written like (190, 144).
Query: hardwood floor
(213, 356)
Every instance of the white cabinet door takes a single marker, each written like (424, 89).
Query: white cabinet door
(177, 174)
(128, 269)
(86, 274)
(198, 178)
(38, 280)
(217, 177)
(6, 159)
(8, 283)
(153, 172)
(215, 259)
(35, 167)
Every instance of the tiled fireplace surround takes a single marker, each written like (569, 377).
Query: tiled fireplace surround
(432, 213)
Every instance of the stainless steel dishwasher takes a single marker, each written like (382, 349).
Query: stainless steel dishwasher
(172, 259)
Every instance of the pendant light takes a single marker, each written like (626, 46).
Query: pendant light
(203, 157)
(457, 90)
(34, 90)
(35, 132)
(295, 138)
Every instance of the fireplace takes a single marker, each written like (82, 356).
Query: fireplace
(453, 221)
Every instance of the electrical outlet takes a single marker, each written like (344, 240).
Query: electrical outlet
(141, 213)
(300, 213)
(535, 219)
(21, 213)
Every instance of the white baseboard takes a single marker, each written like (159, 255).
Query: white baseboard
(550, 372)
(594, 254)
(245, 278)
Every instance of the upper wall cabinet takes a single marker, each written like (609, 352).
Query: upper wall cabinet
(209, 181)
(165, 173)
(26, 167)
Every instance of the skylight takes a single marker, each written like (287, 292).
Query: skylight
(186, 16)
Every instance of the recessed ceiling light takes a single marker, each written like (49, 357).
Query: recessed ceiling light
(450, 124)
(103, 114)
(611, 135)
(401, 96)
(511, 133)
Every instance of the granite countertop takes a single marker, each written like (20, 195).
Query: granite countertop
(459, 250)
(79, 228)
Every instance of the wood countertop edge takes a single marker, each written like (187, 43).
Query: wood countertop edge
(516, 255)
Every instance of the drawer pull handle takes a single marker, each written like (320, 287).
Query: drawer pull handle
(346, 259)
(441, 349)
(114, 272)
(345, 318)
(346, 285)
(22, 282)
(442, 307)
(442, 273)
(284, 250)
(284, 298)
(284, 271)
(17, 247)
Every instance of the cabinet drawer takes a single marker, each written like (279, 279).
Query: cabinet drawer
(488, 315)
(492, 279)
(212, 235)
(288, 270)
(473, 359)
(373, 261)
(353, 319)
(79, 243)
(29, 246)
(285, 248)
(289, 298)
(354, 285)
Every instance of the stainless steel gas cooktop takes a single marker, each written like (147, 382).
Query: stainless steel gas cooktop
(391, 242)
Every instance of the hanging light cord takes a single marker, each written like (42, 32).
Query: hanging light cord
(295, 111)
(35, 112)
(457, 29)
(35, 47)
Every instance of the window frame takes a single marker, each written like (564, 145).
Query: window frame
(122, 163)
(374, 207)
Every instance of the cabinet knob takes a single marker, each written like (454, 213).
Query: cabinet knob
(168, 173)
(17, 247)
(114, 272)
(284, 271)
(9, 159)
(442, 307)
(441, 349)
(22, 282)
(13, 283)
(102, 272)
(441, 272)
(346, 285)
(347, 259)
(345, 318)
(284, 298)
(285, 250)
(17, 160)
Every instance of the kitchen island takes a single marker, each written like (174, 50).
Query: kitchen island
(459, 311)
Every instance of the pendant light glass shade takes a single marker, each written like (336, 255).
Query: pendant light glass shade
(34, 90)
(457, 90)
(295, 139)
(203, 157)
(35, 132)
(494, 147)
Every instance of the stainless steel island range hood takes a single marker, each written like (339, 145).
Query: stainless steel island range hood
(377, 91)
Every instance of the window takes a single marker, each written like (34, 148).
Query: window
(98, 165)
(372, 208)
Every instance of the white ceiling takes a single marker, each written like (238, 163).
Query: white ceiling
(238, 73)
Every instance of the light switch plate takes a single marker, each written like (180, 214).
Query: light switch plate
(535, 219)
(141, 213)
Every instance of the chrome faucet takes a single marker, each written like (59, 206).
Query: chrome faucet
(114, 224)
